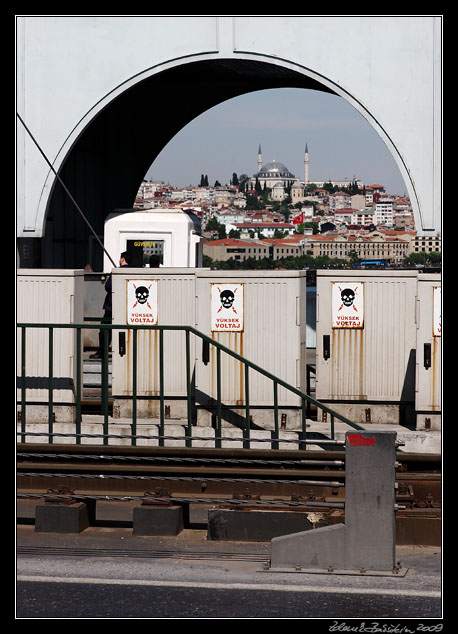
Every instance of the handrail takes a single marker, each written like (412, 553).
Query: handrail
(305, 398)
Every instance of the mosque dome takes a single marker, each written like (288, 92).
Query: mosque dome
(274, 169)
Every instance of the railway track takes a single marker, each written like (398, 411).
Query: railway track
(239, 477)
(119, 470)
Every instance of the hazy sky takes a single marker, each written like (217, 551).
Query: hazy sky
(225, 139)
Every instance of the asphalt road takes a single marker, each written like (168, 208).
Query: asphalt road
(68, 600)
(110, 573)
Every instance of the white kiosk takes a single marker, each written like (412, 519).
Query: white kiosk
(173, 235)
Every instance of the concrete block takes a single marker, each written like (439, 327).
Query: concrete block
(91, 506)
(254, 525)
(157, 520)
(61, 518)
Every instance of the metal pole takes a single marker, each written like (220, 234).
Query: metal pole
(218, 398)
(303, 444)
(23, 388)
(134, 387)
(105, 386)
(246, 442)
(188, 390)
(50, 385)
(78, 386)
(275, 444)
(161, 386)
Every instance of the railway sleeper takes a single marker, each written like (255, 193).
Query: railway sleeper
(242, 518)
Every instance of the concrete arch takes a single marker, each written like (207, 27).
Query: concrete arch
(91, 159)
(109, 149)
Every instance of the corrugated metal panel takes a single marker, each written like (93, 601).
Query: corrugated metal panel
(271, 339)
(273, 336)
(375, 362)
(429, 379)
(49, 297)
(390, 339)
(176, 306)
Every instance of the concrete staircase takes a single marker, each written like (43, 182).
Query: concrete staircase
(92, 380)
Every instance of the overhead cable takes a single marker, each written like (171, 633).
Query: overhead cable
(65, 188)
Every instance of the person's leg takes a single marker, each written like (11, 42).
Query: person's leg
(106, 319)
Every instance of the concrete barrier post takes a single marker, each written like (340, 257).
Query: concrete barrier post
(366, 541)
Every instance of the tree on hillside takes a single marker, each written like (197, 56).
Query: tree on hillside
(214, 225)
(243, 179)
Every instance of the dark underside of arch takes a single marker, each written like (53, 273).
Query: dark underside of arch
(105, 167)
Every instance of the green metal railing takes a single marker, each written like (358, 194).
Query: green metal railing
(305, 399)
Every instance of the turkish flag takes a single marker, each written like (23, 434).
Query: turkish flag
(298, 219)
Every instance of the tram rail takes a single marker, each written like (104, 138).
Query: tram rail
(317, 476)
(302, 481)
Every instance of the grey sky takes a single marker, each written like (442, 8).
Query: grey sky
(225, 139)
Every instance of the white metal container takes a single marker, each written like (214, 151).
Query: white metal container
(266, 324)
(57, 297)
(366, 344)
(171, 233)
(170, 300)
(429, 352)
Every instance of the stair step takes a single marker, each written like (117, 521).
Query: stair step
(92, 375)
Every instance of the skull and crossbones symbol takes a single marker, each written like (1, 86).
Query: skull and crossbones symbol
(142, 294)
(347, 296)
(227, 298)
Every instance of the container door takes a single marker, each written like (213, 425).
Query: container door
(366, 337)
(429, 352)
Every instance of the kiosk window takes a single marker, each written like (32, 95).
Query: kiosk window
(146, 252)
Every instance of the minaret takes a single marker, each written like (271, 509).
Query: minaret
(306, 166)
(259, 159)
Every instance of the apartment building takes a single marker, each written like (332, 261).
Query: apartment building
(239, 249)
(339, 200)
(291, 246)
(364, 217)
(369, 246)
(417, 244)
(227, 248)
(384, 211)
(267, 229)
(426, 244)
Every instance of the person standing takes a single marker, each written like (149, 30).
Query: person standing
(124, 260)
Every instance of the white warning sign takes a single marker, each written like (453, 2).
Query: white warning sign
(437, 311)
(348, 304)
(142, 302)
(227, 307)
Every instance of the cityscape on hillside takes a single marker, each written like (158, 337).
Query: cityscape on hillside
(273, 219)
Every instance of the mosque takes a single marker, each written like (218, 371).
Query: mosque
(277, 177)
